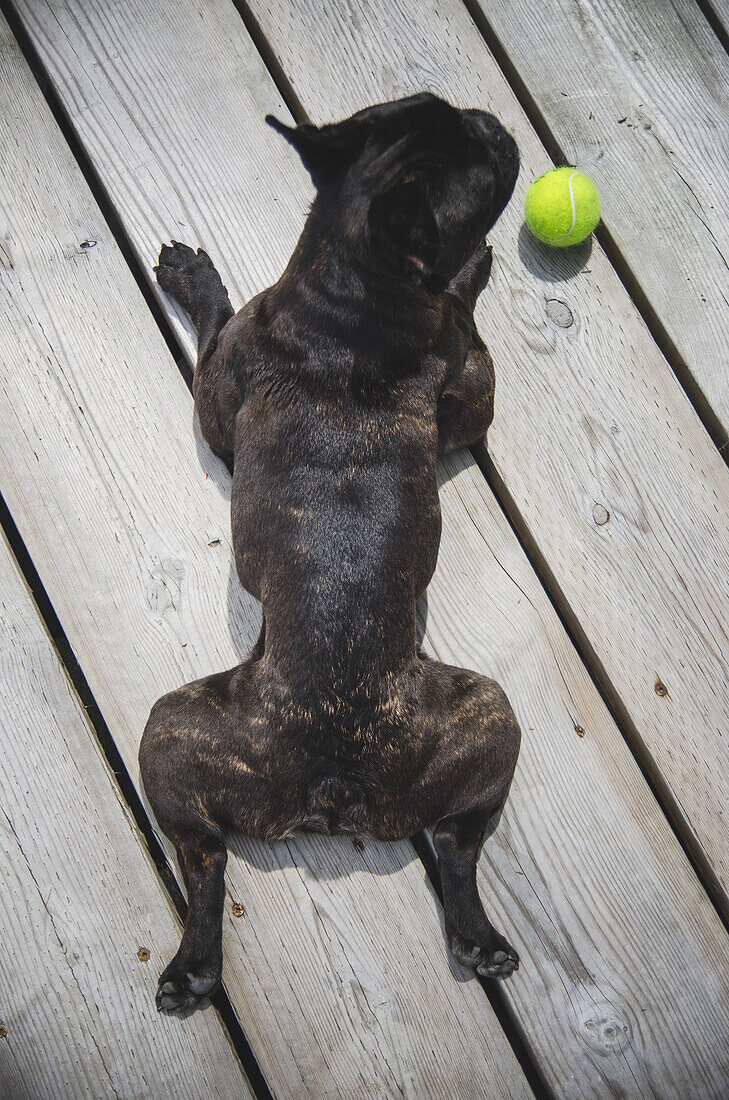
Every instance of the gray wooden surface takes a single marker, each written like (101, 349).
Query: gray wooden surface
(338, 969)
(588, 416)
(582, 833)
(638, 93)
(79, 898)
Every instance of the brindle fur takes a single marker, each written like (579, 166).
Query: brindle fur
(333, 392)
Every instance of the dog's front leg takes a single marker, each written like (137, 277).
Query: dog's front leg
(190, 278)
(466, 405)
(473, 277)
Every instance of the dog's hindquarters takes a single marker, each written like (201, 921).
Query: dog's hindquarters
(229, 752)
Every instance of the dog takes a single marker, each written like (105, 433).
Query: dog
(332, 393)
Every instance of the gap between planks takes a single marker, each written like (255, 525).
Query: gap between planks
(127, 791)
(80, 903)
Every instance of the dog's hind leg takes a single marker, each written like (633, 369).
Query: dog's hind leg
(177, 747)
(187, 756)
(209, 763)
(195, 970)
(470, 741)
(472, 938)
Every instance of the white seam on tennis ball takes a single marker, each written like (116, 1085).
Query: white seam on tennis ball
(574, 210)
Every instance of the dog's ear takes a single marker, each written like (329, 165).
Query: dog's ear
(325, 151)
(403, 228)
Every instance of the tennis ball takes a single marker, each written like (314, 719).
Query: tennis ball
(562, 207)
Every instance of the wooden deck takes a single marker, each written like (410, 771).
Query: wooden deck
(585, 563)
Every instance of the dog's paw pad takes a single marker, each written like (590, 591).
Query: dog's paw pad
(497, 960)
(200, 986)
(500, 964)
(466, 952)
(181, 993)
(171, 997)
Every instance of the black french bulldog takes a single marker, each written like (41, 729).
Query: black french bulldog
(334, 391)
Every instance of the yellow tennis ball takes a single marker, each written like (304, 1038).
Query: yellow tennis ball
(562, 207)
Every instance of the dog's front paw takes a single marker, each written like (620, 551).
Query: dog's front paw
(182, 273)
(497, 959)
(183, 986)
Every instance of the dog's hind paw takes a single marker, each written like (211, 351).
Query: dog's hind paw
(497, 960)
(499, 965)
(183, 991)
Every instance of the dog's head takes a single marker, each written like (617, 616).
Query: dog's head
(414, 184)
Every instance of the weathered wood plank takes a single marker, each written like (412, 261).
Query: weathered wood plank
(591, 424)
(581, 848)
(338, 971)
(580, 821)
(79, 898)
(639, 94)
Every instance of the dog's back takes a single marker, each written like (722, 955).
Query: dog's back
(336, 519)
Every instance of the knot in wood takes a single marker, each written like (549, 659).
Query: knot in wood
(660, 688)
(559, 312)
(600, 514)
(609, 1034)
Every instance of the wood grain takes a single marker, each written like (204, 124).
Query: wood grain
(337, 970)
(79, 898)
(590, 880)
(638, 94)
(588, 415)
